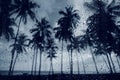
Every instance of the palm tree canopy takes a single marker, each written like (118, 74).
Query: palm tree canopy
(102, 30)
(6, 26)
(23, 8)
(41, 33)
(67, 23)
(96, 5)
(74, 45)
(20, 45)
(5, 21)
(51, 49)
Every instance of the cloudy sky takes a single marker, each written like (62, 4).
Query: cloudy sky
(49, 9)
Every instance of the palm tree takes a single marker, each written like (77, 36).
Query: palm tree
(5, 20)
(22, 8)
(51, 51)
(35, 46)
(41, 34)
(114, 8)
(79, 46)
(117, 58)
(100, 27)
(88, 42)
(18, 48)
(70, 48)
(74, 45)
(67, 23)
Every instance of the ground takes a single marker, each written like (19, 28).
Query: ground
(64, 77)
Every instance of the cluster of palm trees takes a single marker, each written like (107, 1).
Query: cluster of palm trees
(101, 36)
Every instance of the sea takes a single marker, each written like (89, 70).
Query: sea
(42, 72)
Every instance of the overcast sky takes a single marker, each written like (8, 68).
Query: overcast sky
(49, 9)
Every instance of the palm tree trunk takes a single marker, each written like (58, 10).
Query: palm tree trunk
(51, 71)
(14, 63)
(12, 59)
(62, 58)
(11, 64)
(32, 71)
(112, 63)
(105, 62)
(118, 62)
(111, 70)
(36, 62)
(94, 61)
(52, 67)
(71, 64)
(40, 62)
(69, 58)
(78, 63)
(83, 63)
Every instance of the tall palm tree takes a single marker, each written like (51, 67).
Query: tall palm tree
(70, 49)
(51, 51)
(67, 23)
(41, 34)
(74, 45)
(117, 58)
(88, 42)
(35, 46)
(100, 27)
(79, 46)
(22, 8)
(18, 48)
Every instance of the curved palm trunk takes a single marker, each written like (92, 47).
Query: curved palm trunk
(111, 70)
(12, 59)
(62, 58)
(94, 61)
(40, 62)
(33, 62)
(78, 63)
(71, 64)
(14, 63)
(112, 63)
(105, 62)
(118, 62)
(11, 64)
(83, 63)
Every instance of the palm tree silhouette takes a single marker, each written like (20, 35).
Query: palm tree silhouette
(6, 22)
(41, 34)
(85, 41)
(78, 45)
(67, 23)
(51, 51)
(70, 48)
(114, 8)
(100, 27)
(74, 45)
(18, 48)
(35, 46)
(22, 8)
